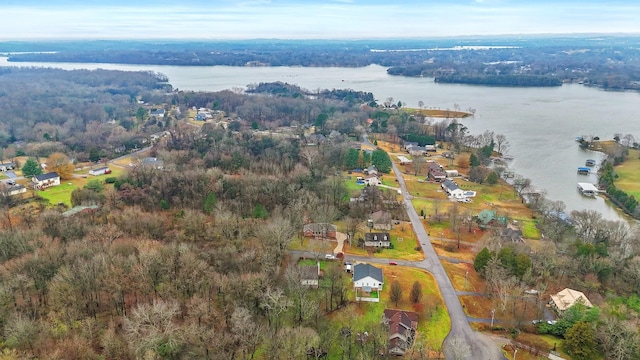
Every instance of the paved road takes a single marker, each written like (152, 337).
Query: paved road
(481, 346)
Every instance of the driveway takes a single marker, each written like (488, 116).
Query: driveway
(11, 175)
(480, 345)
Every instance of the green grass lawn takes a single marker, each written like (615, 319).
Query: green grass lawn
(628, 174)
(528, 227)
(59, 194)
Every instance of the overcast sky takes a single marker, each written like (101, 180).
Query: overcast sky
(305, 19)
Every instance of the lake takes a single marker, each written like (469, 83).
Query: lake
(541, 124)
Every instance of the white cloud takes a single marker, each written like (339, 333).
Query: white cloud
(329, 19)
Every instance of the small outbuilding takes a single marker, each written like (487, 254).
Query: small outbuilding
(100, 171)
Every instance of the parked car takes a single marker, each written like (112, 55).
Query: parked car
(536, 322)
(330, 257)
(393, 263)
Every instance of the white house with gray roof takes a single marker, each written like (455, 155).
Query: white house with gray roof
(452, 189)
(367, 279)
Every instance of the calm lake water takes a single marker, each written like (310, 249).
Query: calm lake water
(541, 124)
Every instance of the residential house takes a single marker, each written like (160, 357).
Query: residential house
(381, 220)
(7, 166)
(152, 162)
(157, 113)
(452, 189)
(409, 144)
(377, 239)
(430, 148)
(402, 326)
(44, 181)
(512, 233)
(10, 190)
(320, 230)
(366, 279)
(372, 180)
(417, 151)
(371, 170)
(315, 139)
(355, 145)
(490, 218)
(310, 275)
(404, 160)
(435, 172)
(100, 171)
(567, 298)
(452, 173)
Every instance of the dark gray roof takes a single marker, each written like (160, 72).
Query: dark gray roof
(377, 236)
(361, 271)
(450, 185)
(47, 176)
(309, 272)
(16, 187)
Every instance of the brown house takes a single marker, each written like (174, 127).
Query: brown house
(320, 230)
(381, 220)
(435, 172)
(402, 327)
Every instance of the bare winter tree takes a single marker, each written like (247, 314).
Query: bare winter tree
(502, 144)
(395, 293)
(418, 163)
(247, 331)
(588, 224)
(458, 349)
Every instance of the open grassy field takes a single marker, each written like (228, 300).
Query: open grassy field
(439, 113)
(457, 274)
(62, 193)
(628, 174)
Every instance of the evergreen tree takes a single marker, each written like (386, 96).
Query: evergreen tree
(482, 259)
(580, 342)
(31, 168)
(259, 212)
(351, 158)
(381, 160)
(492, 178)
(210, 202)
(474, 161)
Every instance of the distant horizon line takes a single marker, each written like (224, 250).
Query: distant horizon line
(441, 37)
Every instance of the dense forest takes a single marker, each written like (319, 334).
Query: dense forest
(191, 261)
(609, 62)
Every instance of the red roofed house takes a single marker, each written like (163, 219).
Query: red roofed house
(402, 327)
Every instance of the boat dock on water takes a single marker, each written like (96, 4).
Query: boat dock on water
(587, 189)
(584, 171)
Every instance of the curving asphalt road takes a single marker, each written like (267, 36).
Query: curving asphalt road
(480, 346)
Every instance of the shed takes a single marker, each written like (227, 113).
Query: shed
(100, 171)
